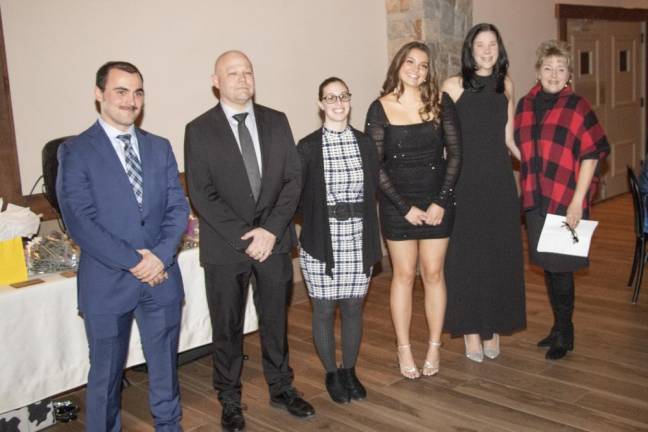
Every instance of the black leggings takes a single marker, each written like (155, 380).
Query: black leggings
(324, 333)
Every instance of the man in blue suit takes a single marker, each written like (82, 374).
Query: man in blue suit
(122, 202)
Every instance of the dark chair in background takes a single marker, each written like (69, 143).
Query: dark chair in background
(50, 168)
(641, 238)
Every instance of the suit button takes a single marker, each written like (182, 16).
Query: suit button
(142, 223)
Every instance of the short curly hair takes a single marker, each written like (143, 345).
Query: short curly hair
(553, 48)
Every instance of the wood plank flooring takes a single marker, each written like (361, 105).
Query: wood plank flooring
(601, 386)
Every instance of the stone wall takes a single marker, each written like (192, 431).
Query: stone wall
(441, 24)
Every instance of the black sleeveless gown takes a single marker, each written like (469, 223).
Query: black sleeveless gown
(484, 263)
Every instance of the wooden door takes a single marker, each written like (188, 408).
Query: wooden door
(608, 71)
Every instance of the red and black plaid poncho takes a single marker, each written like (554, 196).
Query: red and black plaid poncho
(553, 150)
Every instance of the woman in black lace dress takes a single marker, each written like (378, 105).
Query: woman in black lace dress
(412, 127)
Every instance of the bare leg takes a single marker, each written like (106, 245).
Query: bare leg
(432, 256)
(403, 257)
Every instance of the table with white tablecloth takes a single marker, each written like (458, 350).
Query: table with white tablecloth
(43, 346)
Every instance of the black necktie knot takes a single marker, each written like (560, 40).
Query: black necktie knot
(240, 118)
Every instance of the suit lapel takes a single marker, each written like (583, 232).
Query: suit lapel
(230, 151)
(265, 139)
(104, 147)
(263, 128)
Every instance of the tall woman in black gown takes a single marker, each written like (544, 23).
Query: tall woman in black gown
(411, 128)
(484, 267)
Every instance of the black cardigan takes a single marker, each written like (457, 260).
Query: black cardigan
(315, 235)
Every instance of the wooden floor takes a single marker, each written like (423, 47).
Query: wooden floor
(601, 386)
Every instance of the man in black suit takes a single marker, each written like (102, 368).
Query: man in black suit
(244, 179)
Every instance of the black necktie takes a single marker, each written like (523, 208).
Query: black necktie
(249, 156)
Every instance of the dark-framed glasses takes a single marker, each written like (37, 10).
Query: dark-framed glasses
(342, 97)
(572, 231)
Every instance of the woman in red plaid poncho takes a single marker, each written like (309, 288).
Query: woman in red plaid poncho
(561, 144)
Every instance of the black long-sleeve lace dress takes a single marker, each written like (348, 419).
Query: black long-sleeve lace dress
(414, 171)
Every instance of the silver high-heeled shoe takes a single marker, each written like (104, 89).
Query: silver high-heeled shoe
(492, 353)
(476, 356)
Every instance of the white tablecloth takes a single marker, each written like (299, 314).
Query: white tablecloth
(43, 346)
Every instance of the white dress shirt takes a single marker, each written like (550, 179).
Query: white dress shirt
(118, 144)
(250, 122)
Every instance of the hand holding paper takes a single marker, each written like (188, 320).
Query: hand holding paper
(558, 237)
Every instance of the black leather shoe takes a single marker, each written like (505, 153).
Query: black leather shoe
(560, 345)
(232, 418)
(356, 390)
(546, 342)
(291, 400)
(336, 387)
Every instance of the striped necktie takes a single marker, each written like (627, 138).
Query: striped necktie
(133, 168)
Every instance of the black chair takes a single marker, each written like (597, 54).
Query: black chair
(50, 168)
(641, 238)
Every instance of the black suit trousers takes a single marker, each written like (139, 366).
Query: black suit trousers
(227, 288)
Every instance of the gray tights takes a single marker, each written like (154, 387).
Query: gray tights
(324, 333)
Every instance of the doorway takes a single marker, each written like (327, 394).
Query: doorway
(609, 55)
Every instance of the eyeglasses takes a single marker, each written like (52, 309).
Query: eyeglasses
(331, 98)
(572, 231)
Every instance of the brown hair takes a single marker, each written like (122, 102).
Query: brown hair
(553, 48)
(429, 88)
(102, 73)
(328, 81)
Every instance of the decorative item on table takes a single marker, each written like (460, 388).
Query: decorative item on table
(15, 222)
(65, 410)
(190, 237)
(55, 253)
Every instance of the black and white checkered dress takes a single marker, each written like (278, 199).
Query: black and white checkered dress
(344, 176)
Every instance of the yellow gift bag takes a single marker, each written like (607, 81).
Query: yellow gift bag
(12, 261)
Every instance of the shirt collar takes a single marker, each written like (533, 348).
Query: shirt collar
(113, 132)
(230, 112)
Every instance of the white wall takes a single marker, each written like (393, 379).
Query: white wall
(55, 47)
(525, 23)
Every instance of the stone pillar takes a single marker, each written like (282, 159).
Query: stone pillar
(441, 24)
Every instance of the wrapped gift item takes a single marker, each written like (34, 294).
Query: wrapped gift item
(16, 222)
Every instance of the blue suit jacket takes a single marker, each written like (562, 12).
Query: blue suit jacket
(103, 217)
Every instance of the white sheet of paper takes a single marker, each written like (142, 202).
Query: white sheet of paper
(556, 238)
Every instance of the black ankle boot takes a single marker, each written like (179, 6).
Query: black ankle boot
(546, 342)
(336, 387)
(355, 388)
(561, 344)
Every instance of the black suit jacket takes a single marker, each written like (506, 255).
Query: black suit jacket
(316, 233)
(220, 191)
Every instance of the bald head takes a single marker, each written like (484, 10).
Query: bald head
(234, 79)
(229, 56)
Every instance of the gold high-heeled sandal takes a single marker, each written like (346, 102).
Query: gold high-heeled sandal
(431, 368)
(410, 372)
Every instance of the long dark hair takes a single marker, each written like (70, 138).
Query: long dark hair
(469, 66)
(429, 88)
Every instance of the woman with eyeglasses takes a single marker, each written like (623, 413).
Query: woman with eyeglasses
(340, 241)
(561, 144)
(413, 126)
